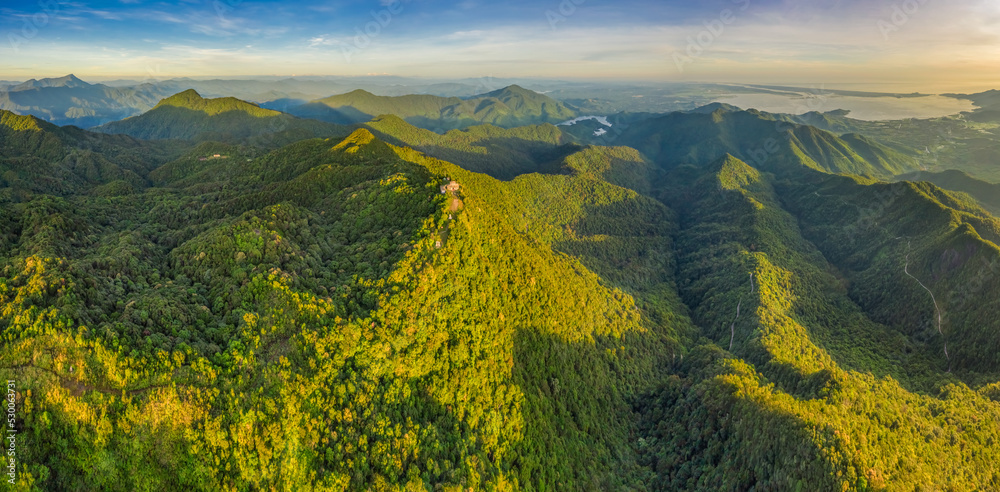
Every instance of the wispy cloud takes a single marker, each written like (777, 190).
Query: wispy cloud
(768, 41)
(324, 40)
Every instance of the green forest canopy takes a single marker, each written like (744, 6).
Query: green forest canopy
(322, 316)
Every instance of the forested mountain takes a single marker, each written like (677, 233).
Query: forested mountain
(500, 152)
(989, 105)
(723, 300)
(986, 194)
(71, 101)
(68, 100)
(962, 142)
(39, 157)
(768, 142)
(804, 383)
(188, 116)
(508, 107)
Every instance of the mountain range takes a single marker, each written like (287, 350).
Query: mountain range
(508, 107)
(214, 295)
(68, 100)
(71, 101)
(188, 116)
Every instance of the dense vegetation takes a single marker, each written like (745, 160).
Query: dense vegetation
(499, 152)
(764, 140)
(254, 314)
(38, 157)
(508, 107)
(966, 142)
(188, 116)
(986, 194)
(800, 387)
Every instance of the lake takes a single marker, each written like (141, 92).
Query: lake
(861, 108)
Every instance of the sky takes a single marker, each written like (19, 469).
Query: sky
(927, 45)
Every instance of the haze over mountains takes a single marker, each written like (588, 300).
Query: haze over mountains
(69, 100)
(507, 107)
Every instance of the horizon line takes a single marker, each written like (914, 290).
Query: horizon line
(838, 86)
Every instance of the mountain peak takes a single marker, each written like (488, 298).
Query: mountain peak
(64, 81)
(188, 115)
(512, 90)
(389, 118)
(356, 140)
(355, 97)
(507, 107)
(26, 135)
(69, 79)
(182, 98)
(715, 106)
(357, 93)
(733, 173)
(191, 99)
(18, 122)
(363, 142)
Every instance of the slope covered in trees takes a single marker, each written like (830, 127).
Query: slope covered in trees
(914, 257)
(500, 152)
(39, 157)
(324, 315)
(986, 194)
(188, 116)
(797, 387)
(328, 294)
(508, 107)
(967, 142)
(766, 141)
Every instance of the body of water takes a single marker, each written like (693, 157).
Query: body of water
(861, 108)
(600, 119)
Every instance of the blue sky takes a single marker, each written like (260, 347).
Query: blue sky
(932, 44)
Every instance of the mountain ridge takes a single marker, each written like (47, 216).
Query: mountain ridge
(68, 100)
(758, 138)
(69, 80)
(189, 116)
(508, 107)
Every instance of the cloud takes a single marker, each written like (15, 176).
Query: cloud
(324, 40)
(771, 40)
(464, 35)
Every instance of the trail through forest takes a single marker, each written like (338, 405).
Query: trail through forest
(937, 309)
